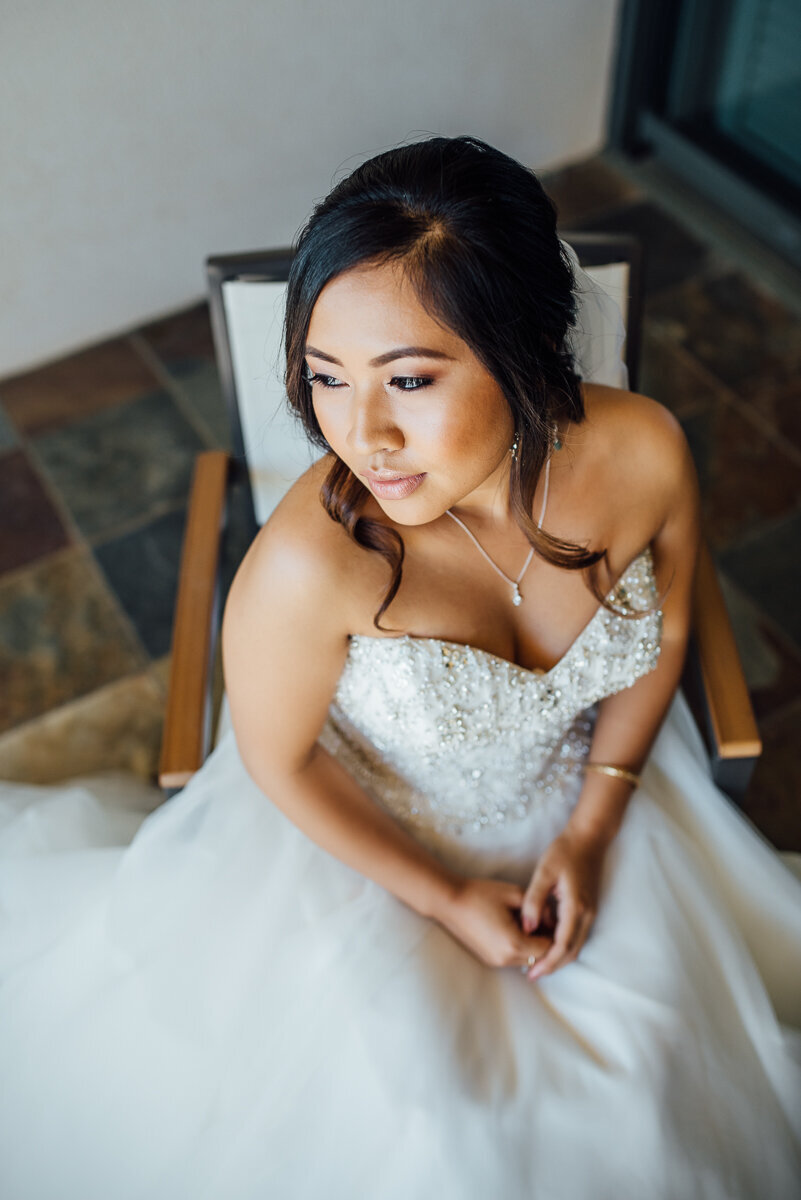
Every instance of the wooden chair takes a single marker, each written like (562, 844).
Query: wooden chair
(270, 451)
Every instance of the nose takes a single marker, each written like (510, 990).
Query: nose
(372, 427)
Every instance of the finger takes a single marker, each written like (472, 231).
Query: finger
(589, 921)
(582, 933)
(548, 915)
(577, 942)
(532, 948)
(534, 900)
(563, 936)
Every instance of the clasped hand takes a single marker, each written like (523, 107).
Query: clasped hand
(503, 925)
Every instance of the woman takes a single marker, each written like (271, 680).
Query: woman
(461, 950)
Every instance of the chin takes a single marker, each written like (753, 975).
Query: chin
(411, 511)
(403, 513)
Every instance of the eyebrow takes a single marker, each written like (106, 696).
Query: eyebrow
(381, 359)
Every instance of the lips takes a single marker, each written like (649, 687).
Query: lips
(387, 476)
(386, 486)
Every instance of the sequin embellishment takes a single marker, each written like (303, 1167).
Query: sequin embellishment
(450, 738)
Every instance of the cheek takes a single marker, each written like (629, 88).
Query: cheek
(464, 432)
(326, 415)
(480, 429)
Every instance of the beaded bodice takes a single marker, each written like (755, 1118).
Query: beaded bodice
(450, 738)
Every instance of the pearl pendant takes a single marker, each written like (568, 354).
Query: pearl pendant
(517, 599)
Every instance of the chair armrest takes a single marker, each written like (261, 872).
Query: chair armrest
(187, 724)
(734, 739)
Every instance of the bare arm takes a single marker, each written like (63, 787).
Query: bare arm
(284, 645)
(627, 722)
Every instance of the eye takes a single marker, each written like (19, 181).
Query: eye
(404, 383)
(410, 383)
(327, 381)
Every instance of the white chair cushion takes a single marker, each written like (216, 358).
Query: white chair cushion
(275, 445)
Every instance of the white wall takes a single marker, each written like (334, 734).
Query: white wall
(138, 137)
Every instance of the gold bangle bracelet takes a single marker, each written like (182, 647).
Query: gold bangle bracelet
(618, 772)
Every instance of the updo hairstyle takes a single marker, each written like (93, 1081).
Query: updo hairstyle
(475, 235)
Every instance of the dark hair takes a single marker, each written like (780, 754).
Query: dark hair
(475, 234)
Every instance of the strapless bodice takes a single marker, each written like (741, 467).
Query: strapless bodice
(454, 740)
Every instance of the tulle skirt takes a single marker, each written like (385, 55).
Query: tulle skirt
(198, 1003)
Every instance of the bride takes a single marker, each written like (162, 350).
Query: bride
(455, 910)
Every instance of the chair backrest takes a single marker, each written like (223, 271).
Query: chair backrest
(247, 294)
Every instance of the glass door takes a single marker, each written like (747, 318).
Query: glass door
(713, 87)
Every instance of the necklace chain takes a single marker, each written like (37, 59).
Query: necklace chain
(517, 597)
(515, 583)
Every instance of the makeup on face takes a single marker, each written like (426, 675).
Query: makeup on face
(422, 435)
(393, 489)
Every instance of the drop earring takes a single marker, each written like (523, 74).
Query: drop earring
(515, 444)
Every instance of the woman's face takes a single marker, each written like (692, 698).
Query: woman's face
(404, 401)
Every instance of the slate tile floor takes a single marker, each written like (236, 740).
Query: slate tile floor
(96, 453)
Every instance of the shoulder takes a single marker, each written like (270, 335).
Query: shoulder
(617, 414)
(285, 632)
(299, 540)
(640, 442)
(649, 466)
(301, 561)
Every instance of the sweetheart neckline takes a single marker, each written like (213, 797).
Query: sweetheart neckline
(535, 672)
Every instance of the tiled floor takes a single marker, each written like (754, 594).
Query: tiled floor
(96, 453)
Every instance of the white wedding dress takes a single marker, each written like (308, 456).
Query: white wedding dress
(201, 1004)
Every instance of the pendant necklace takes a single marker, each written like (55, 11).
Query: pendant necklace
(517, 598)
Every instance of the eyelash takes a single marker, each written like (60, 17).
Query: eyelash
(420, 381)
